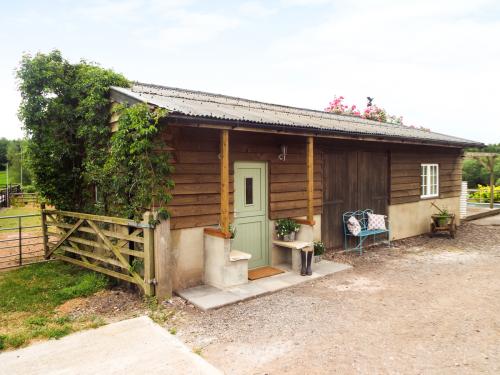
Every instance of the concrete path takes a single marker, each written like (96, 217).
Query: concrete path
(207, 297)
(131, 346)
(491, 220)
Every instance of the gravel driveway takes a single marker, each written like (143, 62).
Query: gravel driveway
(426, 306)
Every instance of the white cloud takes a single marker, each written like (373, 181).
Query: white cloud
(257, 9)
(109, 10)
(153, 23)
(187, 29)
(428, 61)
(304, 2)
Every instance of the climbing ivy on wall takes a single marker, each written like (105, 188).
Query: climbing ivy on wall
(138, 169)
(71, 150)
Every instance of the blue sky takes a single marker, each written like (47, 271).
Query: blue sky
(435, 62)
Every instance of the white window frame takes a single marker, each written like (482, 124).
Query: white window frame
(428, 180)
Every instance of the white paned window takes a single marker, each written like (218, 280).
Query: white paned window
(429, 180)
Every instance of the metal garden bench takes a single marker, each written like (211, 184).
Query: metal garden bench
(362, 217)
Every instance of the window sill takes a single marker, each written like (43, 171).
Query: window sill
(425, 197)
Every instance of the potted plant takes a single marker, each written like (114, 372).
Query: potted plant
(319, 250)
(443, 217)
(232, 232)
(286, 229)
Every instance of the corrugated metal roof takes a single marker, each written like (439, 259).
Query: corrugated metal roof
(214, 106)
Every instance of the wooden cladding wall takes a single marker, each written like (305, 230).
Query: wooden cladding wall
(195, 153)
(405, 174)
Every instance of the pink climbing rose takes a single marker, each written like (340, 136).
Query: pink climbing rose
(372, 112)
(338, 107)
(375, 113)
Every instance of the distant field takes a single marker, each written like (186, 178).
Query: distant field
(14, 211)
(3, 178)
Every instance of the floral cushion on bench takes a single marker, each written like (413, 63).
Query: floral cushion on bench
(376, 221)
(353, 226)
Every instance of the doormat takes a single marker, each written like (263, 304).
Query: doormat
(261, 272)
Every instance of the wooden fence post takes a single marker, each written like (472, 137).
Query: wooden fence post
(44, 231)
(149, 265)
(163, 260)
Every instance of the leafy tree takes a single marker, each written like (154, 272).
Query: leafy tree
(475, 173)
(3, 153)
(72, 152)
(65, 111)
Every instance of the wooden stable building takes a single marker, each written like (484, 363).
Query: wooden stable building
(249, 163)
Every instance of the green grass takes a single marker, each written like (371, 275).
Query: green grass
(29, 296)
(44, 286)
(25, 221)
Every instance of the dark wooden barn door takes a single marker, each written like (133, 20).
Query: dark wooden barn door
(340, 177)
(372, 181)
(352, 180)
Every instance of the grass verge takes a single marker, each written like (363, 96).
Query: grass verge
(29, 297)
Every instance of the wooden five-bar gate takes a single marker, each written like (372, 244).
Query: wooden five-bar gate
(117, 247)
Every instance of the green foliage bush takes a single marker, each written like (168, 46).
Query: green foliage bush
(483, 194)
(29, 189)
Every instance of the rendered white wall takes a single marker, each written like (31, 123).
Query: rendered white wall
(412, 219)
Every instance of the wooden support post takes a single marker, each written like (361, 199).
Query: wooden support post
(149, 265)
(44, 231)
(310, 180)
(224, 182)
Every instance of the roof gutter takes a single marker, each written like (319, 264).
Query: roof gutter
(204, 122)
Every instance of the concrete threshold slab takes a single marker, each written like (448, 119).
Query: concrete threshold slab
(207, 297)
(486, 212)
(133, 345)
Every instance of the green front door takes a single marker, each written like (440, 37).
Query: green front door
(250, 211)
